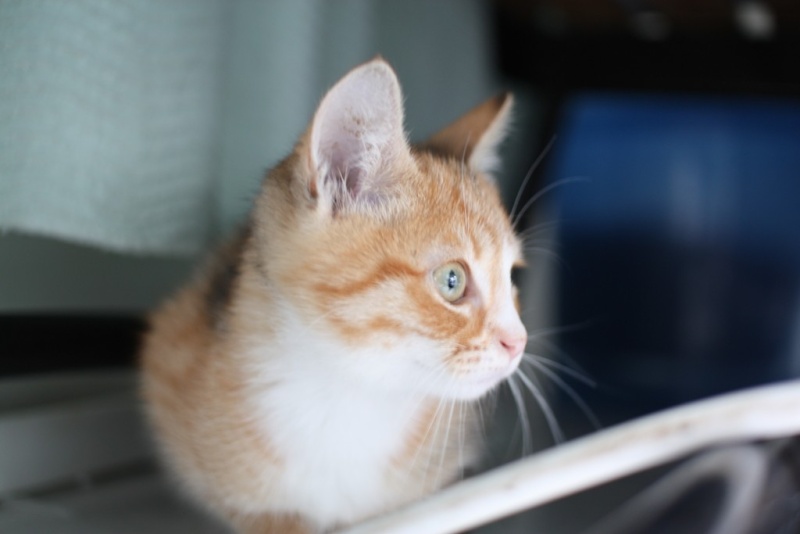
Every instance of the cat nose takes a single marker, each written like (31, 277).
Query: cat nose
(513, 343)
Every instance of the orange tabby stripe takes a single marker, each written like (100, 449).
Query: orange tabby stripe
(386, 270)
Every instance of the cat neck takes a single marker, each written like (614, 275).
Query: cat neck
(299, 354)
(349, 436)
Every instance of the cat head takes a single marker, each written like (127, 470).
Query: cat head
(398, 256)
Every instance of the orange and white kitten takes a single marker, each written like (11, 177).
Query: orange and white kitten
(325, 366)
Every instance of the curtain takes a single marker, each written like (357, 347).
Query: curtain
(108, 120)
(145, 126)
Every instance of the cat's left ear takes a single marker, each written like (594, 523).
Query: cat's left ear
(356, 140)
(476, 136)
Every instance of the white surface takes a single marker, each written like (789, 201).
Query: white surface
(75, 457)
(59, 428)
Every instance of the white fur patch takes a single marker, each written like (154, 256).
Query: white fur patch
(334, 428)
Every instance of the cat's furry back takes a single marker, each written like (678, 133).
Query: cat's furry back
(323, 368)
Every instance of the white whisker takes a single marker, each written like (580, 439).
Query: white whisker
(435, 374)
(549, 253)
(574, 373)
(533, 231)
(446, 443)
(558, 329)
(564, 356)
(461, 437)
(481, 419)
(320, 317)
(550, 416)
(523, 415)
(490, 402)
(543, 192)
(529, 174)
(435, 425)
(569, 390)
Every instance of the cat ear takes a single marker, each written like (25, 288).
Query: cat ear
(476, 136)
(356, 133)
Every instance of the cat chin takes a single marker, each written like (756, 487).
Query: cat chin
(476, 385)
(471, 393)
(474, 390)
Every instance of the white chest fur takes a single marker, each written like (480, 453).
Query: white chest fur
(338, 438)
(337, 448)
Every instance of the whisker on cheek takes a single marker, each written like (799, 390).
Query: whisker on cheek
(569, 390)
(539, 228)
(550, 254)
(523, 415)
(446, 443)
(543, 360)
(435, 424)
(543, 192)
(461, 437)
(529, 174)
(481, 419)
(446, 405)
(547, 411)
(563, 357)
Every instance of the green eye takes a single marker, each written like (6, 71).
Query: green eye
(451, 281)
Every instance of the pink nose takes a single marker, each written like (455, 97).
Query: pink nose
(513, 344)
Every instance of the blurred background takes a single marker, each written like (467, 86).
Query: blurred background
(662, 221)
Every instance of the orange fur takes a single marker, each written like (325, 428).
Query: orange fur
(337, 276)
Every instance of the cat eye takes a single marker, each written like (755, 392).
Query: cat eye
(451, 281)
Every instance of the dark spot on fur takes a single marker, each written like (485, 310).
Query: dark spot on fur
(224, 275)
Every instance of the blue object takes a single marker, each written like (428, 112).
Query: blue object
(682, 247)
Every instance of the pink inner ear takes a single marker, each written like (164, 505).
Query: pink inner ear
(356, 131)
(353, 144)
(342, 179)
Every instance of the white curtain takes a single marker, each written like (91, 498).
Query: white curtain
(146, 125)
(108, 120)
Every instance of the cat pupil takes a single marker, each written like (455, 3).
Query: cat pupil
(452, 280)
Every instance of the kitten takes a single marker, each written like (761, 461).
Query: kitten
(325, 367)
